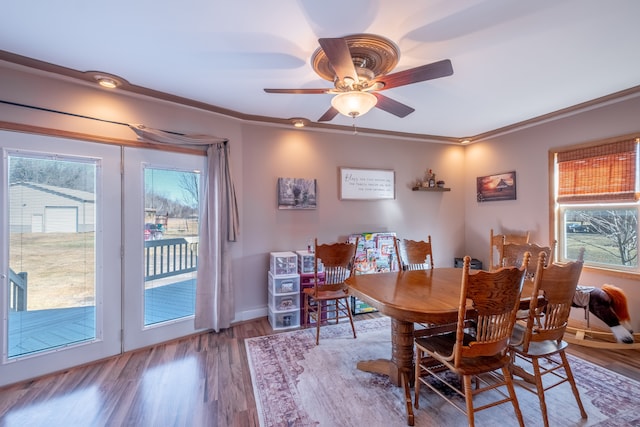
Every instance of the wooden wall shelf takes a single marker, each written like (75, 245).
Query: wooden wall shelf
(434, 189)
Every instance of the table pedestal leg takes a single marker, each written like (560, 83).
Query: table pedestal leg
(400, 368)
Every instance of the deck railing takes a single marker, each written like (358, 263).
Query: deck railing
(169, 257)
(17, 291)
(163, 258)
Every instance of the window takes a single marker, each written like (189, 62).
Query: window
(170, 243)
(52, 222)
(161, 244)
(596, 200)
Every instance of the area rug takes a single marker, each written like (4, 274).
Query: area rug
(297, 383)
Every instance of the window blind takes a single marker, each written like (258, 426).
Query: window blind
(601, 173)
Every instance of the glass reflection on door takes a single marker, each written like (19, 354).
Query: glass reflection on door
(170, 243)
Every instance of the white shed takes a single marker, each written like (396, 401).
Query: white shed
(40, 208)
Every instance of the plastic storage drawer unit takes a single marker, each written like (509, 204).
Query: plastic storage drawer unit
(306, 262)
(284, 284)
(288, 301)
(284, 319)
(283, 263)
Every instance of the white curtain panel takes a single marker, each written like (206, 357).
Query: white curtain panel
(219, 225)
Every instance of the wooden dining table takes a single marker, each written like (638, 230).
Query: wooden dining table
(408, 297)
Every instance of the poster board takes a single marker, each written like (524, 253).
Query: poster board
(375, 254)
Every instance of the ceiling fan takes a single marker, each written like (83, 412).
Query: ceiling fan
(358, 65)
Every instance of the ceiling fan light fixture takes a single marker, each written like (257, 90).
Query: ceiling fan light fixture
(354, 104)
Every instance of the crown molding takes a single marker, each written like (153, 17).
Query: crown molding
(89, 77)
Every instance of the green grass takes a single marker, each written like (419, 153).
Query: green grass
(598, 248)
(60, 266)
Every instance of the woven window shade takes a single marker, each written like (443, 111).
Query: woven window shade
(601, 173)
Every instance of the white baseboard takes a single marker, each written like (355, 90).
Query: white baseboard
(251, 314)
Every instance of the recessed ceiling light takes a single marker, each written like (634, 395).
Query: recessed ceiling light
(299, 122)
(107, 81)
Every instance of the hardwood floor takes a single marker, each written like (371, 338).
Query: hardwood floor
(201, 380)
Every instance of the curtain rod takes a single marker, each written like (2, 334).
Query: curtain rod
(49, 110)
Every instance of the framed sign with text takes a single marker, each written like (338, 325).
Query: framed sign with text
(367, 184)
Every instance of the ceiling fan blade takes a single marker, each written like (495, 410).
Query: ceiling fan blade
(339, 55)
(419, 74)
(328, 115)
(392, 106)
(303, 91)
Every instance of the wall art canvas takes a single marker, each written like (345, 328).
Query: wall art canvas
(296, 193)
(500, 186)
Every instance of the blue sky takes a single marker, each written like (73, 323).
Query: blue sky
(164, 182)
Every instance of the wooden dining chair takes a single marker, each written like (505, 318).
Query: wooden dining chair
(540, 338)
(512, 254)
(414, 255)
(478, 351)
(328, 300)
(496, 243)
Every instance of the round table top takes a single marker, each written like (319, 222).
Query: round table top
(430, 296)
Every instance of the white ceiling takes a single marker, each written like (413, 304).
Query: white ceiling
(512, 60)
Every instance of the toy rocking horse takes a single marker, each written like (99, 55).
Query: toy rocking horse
(608, 304)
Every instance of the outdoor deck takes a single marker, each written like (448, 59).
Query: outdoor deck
(52, 328)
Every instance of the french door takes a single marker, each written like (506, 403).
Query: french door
(89, 255)
(161, 245)
(60, 305)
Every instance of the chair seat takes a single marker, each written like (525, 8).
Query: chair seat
(443, 345)
(326, 295)
(536, 348)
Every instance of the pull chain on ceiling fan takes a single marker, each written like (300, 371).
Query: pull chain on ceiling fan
(358, 66)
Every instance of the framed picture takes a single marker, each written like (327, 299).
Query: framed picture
(296, 193)
(367, 184)
(500, 186)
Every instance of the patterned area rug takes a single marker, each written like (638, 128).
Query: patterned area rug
(297, 383)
